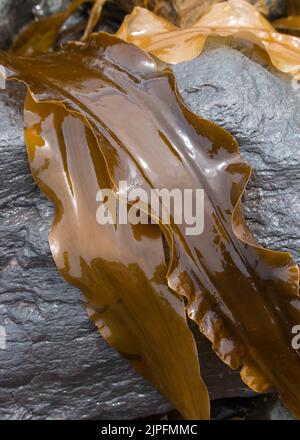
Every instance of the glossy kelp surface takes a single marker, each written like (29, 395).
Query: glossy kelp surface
(120, 268)
(244, 298)
(236, 18)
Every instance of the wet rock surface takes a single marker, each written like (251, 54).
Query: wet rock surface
(55, 364)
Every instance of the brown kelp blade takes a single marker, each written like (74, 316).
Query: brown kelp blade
(293, 7)
(244, 298)
(289, 24)
(236, 18)
(120, 268)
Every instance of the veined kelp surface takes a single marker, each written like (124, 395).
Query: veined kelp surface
(244, 298)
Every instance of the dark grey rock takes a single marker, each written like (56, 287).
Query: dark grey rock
(268, 408)
(262, 111)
